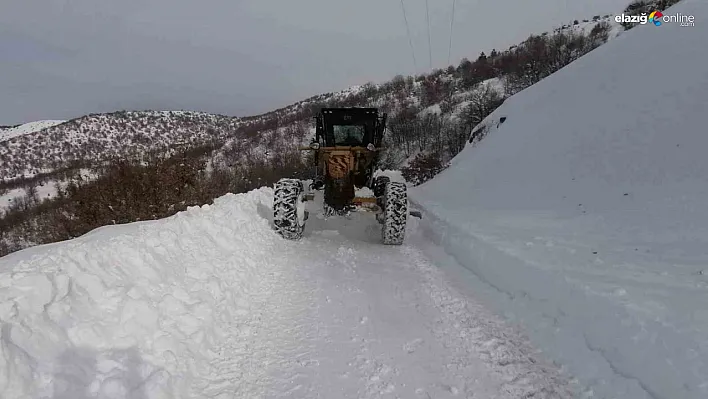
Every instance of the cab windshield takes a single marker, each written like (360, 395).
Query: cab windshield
(349, 135)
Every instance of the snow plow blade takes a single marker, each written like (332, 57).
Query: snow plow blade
(362, 200)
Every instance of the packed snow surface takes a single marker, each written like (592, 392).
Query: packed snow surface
(212, 303)
(27, 128)
(583, 214)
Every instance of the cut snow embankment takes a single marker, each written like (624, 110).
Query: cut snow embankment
(144, 308)
(584, 218)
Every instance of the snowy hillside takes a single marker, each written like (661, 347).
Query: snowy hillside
(97, 137)
(430, 120)
(444, 96)
(582, 213)
(27, 128)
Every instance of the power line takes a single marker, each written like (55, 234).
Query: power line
(410, 41)
(452, 21)
(430, 50)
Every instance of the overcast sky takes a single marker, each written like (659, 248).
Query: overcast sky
(61, 59)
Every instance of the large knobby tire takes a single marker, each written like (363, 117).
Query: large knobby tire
(395, 213)
(288, 209)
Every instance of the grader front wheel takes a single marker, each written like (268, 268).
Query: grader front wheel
(289, 214)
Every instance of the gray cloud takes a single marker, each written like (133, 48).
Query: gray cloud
(64, 58)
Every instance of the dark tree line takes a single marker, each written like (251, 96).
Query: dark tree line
(129, 191)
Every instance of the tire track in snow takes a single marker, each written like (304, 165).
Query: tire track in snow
(465, 324)
(402, 331)
(264, 355)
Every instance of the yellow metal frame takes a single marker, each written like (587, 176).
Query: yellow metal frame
(337, 161)
(362, 200)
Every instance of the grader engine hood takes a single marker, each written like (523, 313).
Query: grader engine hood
(339, 164)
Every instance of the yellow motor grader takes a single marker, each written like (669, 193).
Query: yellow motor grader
(346, 149)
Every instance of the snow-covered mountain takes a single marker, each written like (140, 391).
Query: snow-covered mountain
(430, 120)
(582, 213)
(95, 138)
(27, 128)
(44, 147)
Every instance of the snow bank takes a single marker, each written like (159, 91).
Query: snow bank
(142, 308)
(27, 128)
(393, 175)
(583, 213)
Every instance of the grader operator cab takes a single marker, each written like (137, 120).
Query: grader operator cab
(346, 149)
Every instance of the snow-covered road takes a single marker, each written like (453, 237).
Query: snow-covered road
(212, 303)
(383, 322)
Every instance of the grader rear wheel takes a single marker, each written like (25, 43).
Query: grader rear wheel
(394, 213)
